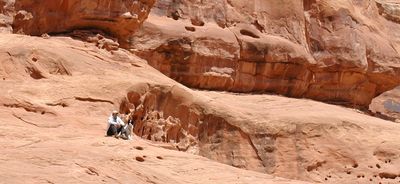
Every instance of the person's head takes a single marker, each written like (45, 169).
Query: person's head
(115, 114)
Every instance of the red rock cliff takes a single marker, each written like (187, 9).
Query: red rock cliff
(336, 51)
(120, 18)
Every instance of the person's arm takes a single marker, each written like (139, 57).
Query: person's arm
(119, 120)
(111, 122)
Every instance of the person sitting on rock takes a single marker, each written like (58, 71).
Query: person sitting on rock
(115, 124)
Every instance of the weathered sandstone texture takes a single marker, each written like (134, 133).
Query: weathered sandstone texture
(6, 15)
(387, 105)
(56, 91)
(54, 102)
(343, 51)
(298, 139)
(119, 18)
(390, 9)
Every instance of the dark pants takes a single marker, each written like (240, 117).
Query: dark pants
(113, 130)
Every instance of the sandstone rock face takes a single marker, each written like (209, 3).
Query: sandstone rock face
(389, 9)
(54, 102)
(6, 15)
(62, 95)
(269, 134)
(61, 90)
(387, 105)
(119, 18)
(334, 51)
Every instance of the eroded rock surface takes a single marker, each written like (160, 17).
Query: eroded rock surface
(335, 51)
(119, 18)
(61, 89)
(54, 102)
(6, 15)
(390, 9)
(65, 92)
(387, 105)
(299, 139)
(342, 52)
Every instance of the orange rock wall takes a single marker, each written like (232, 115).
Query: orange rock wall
(335, 51)
(119, 18)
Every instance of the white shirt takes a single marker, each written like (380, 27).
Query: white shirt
(115, 121)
